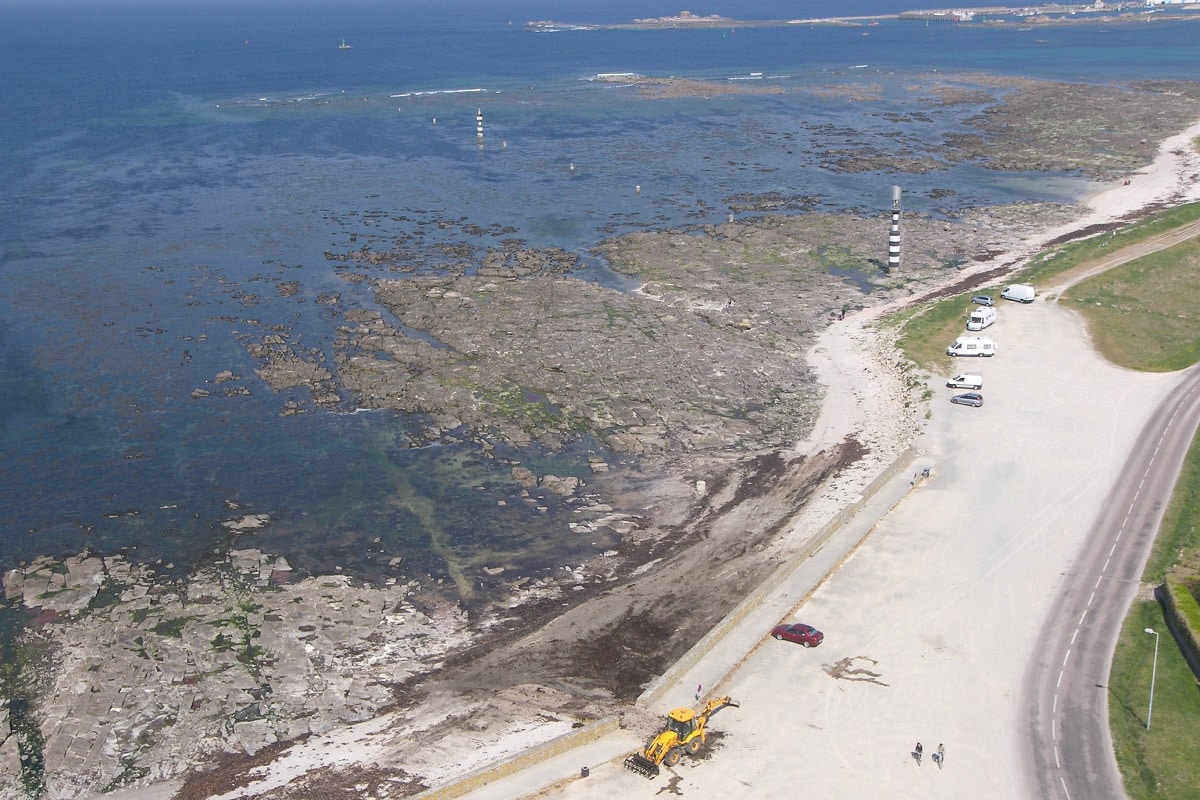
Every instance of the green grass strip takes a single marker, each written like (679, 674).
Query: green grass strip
(1161, 763)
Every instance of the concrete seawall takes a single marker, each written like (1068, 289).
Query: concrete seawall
(655, 691)
(496, 772)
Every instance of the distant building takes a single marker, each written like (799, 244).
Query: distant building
(939, 16)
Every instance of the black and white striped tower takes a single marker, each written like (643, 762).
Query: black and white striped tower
(479, 123)
(894, 234)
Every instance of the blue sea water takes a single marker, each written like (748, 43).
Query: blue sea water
(167, 165)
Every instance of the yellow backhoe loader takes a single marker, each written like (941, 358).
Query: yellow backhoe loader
(685, 731)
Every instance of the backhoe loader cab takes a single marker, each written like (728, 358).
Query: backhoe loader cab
(682, 721)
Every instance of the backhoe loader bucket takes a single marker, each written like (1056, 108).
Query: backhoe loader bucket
(642, 766)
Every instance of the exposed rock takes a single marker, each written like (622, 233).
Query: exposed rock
(525, 477)
(146, 677)
(560, 486)
(249, 522)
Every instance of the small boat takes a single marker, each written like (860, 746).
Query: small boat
(344, 46)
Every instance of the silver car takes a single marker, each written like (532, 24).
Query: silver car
(968, 399)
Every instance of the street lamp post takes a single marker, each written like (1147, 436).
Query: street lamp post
(1153, 675)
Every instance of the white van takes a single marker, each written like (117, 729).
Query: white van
(967, 380)
(972, 346)
(1021, 292)
(981, 318)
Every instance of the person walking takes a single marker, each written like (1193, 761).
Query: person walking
(940, 755)
(918, 751)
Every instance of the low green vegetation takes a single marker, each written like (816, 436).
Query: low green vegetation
(1178, 542)
(1161, 763)
(1063, 259)
(837, 257)
(527, 409)
(1142, 315)
(172, 627)
(1158, 763)
(925, 335)
(25, 668)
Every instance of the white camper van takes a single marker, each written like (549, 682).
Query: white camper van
(1021, 292)
(981, 318)
(972, 346)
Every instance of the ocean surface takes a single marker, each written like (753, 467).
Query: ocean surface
(168, 166)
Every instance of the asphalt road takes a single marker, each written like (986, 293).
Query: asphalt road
(1072, 754)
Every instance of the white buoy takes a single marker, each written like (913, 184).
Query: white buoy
(572, 167)
(479, 122)
(504, 144)
(434, 119)
(637, 189)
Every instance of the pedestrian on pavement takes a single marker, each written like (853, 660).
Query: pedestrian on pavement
(917, 752)
(940, 755)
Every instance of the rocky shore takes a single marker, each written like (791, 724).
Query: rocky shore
(232, 659)
(694, 378)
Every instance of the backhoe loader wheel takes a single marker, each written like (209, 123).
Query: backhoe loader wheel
(694, 746)
(673, 756)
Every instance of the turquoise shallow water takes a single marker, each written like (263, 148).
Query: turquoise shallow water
(167, 168)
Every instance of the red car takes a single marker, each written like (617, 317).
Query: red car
(799, 633)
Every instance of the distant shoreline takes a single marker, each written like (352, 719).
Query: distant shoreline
(1049, 14)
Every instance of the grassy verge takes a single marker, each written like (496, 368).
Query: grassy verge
(925, 335)
(1179, 534)
(1079, 255)
(1159, 763)
(1142, 315)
